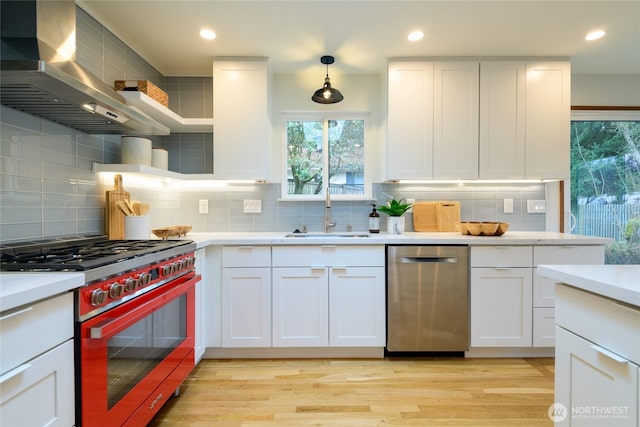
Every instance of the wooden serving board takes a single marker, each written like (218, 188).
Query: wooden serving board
(448, 215)
(436, 216)
(424, 216)
(114, 218)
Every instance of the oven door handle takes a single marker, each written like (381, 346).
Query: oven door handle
(111, 327)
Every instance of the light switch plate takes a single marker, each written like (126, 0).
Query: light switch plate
(508, 205)
(252, 206)
(536, 206)
(203, 206)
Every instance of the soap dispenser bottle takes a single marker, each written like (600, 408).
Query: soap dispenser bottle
(374, 220)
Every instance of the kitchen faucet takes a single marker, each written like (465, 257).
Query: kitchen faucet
(328, 225)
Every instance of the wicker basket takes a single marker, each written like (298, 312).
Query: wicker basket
(144, 86)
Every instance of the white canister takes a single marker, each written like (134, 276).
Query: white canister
(137, 227)
(135, 150)
(160, 158)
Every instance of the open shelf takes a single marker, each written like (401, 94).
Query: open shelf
(149, 172)
(162, 114)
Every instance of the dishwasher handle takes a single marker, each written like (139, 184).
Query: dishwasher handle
(429, 259)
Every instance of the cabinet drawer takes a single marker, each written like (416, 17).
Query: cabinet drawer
(30, 330)
(328, 255)
(595, 318)
(568, 255)
(246, 256)
(40, 393)
(501, 256)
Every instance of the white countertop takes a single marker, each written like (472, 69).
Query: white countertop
(20, 288)
(429, 238)
(618, 282)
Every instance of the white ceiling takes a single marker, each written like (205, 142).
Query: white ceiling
(362, 34)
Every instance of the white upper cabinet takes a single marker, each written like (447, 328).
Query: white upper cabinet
(490, 119)
(241, 118)
(548, 106)
(410, 118)
(455, 124)
(502, 119)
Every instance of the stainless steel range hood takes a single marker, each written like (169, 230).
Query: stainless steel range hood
(39, 75)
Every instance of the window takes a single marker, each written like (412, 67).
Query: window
(326, 152)
(605, 180)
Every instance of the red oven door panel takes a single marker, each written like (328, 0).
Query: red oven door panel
(130, 351)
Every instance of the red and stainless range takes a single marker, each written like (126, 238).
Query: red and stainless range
(135, 321)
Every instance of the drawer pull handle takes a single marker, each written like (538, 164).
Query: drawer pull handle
(16, 371)
(16, 313)
(609, 354)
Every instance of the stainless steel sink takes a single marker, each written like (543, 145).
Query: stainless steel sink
(326, 235)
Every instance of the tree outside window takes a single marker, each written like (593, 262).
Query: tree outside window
(325, 151)
(605, 184)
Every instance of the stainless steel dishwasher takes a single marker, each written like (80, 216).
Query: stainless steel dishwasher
(427, 298)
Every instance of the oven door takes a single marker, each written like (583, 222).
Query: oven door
(134, 356)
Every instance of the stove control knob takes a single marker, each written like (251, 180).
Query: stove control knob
(192, 261)
(177, 266)
(130, 284)
(144, 279)
(116, 290)
(98, 297)
(167, 269)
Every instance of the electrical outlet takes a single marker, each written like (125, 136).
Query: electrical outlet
(508, 205)
(252, 206)
(203, 206)
(536, 206)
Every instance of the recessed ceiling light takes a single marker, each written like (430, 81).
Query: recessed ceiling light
(207, 34)
(415, 36)
(595, 35)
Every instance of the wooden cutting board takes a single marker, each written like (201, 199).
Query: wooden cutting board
(114, 218)
(436, 216)
(424, 216)
(448, 215)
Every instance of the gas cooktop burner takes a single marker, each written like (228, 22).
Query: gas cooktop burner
(77, 254)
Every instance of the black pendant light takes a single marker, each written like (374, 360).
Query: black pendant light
(326, 94)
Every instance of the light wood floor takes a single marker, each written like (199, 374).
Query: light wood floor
(364, 393)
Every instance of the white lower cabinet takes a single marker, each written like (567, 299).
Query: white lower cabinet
(36, 359)
(596, 386)
(329, 296)
(40, 392)
(300, 307)
(246, 296)
(501, 311)
(357, 307)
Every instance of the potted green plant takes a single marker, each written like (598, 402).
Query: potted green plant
(395, 209)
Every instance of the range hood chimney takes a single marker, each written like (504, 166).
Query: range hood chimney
(39, 75)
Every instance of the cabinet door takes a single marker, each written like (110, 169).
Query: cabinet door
(40, 392)
(501, 312)
(592, 382)
(241, 119)
(548, 109)
(201, 306)
(246, 307)
(502, 120)
(544, 327)
(455, 123)
(357, 306)
(410, 120)
(300, 307)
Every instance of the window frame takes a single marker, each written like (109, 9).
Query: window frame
(324, 117)
(595, 113)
